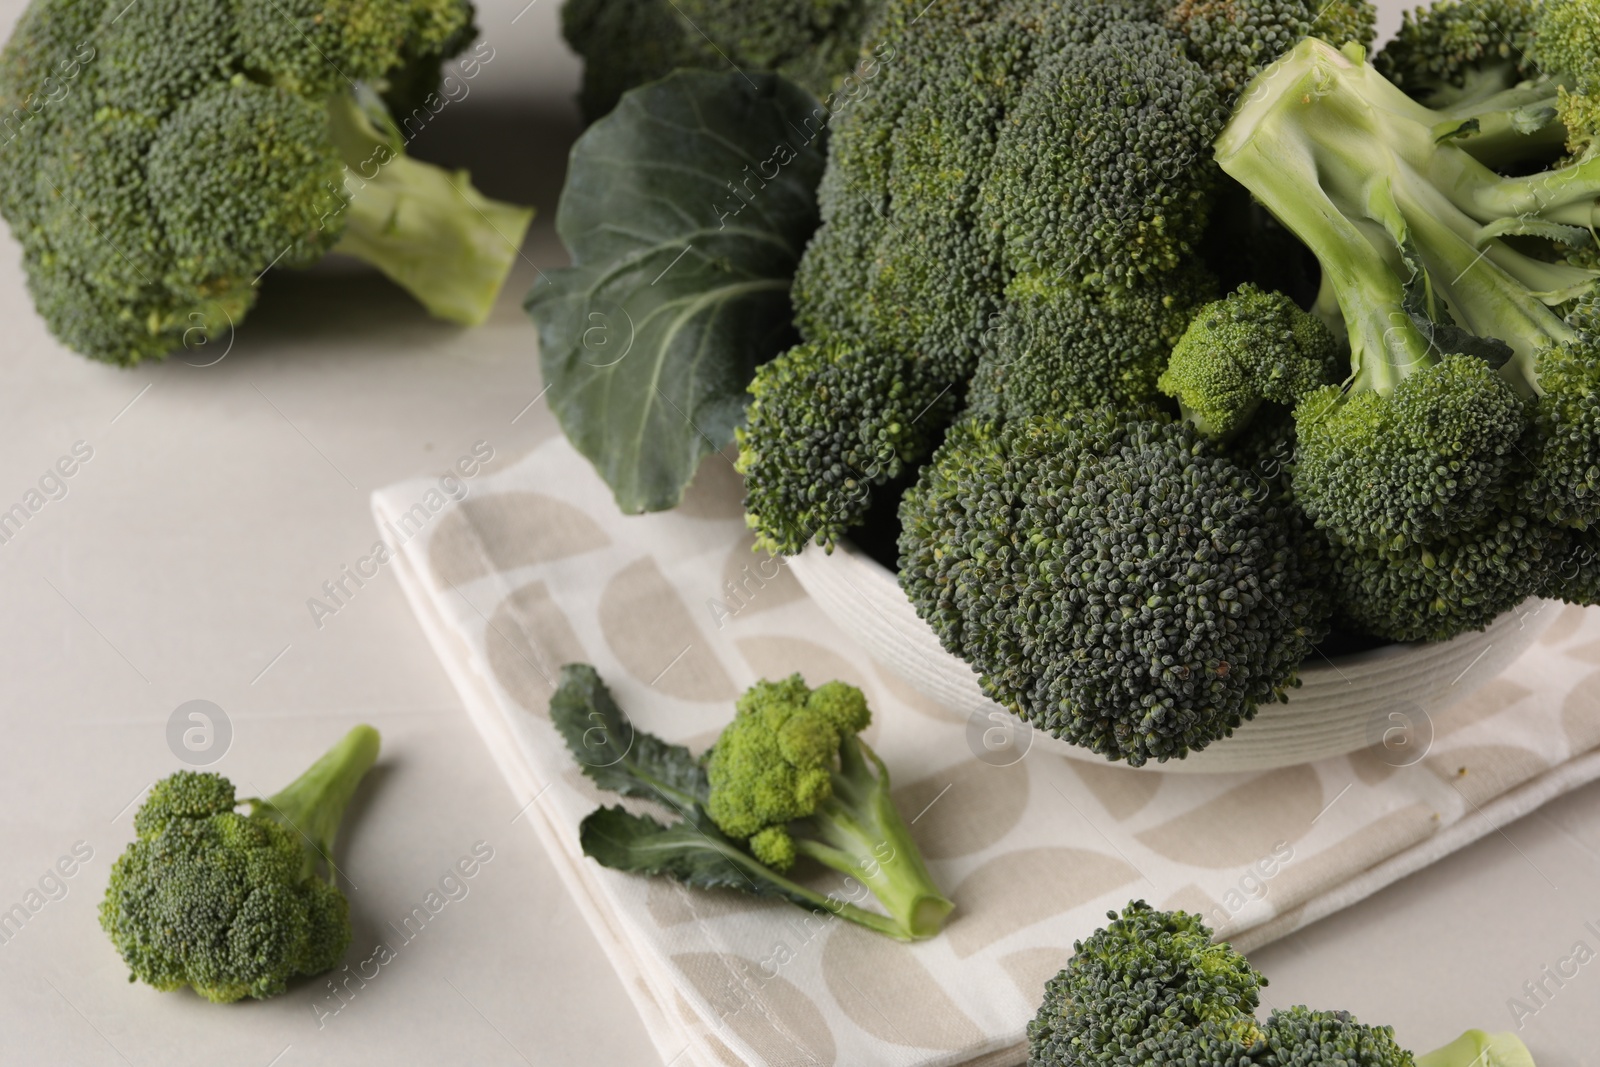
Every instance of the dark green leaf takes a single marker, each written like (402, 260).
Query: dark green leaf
(618, 757)
(695, 855)
(685, 211)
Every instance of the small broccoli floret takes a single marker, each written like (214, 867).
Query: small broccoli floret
(1456, 50)
(790, 777)
(826, 422)
(160, 158)
(1409, 460)
(235, 905)
(1248, 348)
(1118, 583)
(1151, 987)
(625, 43)
(1234, 39)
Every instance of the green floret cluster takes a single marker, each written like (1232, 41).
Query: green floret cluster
(235, 905)
(1122, 584)
(626, 43)
(1249, 349)
(790, 777)
(1019, 204)
(1461, 49)
(158, 158)
(774, 762)
(1151, 987)
(1454, 469)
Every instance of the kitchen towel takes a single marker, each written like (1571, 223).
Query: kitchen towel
(516, 572)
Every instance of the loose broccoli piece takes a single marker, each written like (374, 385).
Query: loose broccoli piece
(1152, 988)
(955, 198)
(789, 778)
(160, 158)
(1114, 580)
(1249, 348)
(236, 905)
(625, 43)
(1468, 428)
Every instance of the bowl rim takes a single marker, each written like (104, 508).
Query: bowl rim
(1365, 657)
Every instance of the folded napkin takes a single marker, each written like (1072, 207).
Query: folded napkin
(515, 573)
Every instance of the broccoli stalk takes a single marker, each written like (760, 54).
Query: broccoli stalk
(859, 833)
(235, 905)
(1357, 170)
(312, 806)
(427, 228)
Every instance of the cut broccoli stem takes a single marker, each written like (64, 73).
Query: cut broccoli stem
(426, 228)
(1409, 229)
(860, 834)
(312, 806)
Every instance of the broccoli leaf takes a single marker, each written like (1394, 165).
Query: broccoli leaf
(685, 211)
(618, 757)
(694, 855)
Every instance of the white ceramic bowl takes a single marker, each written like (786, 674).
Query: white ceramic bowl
(1342, 705)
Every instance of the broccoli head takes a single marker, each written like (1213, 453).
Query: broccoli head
(790, 777)
(1118, 582)
(625, 43)
(1246, 349)
(235, 905)
(159, 158)
(1463, 446)
(956, 199)
(1151, 987)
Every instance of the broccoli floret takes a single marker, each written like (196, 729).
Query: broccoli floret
(1068, 204)
(1152, 987)
(235, 905)
(1234, 39)
(160, 158)
(790, 777)
(1467, 428)
(1149, 987)
(955, 198)
(1458, 50)
(1115, 581)
(625, 43)
(1247, 349)
(826, 422)
(1059, 349)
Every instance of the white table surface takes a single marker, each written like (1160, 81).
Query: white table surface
(219, 499)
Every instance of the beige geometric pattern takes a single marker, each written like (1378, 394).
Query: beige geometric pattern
(535, 568)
